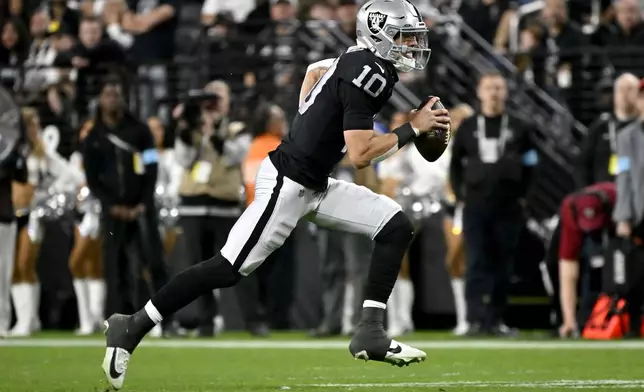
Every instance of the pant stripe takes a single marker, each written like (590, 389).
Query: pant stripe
(261, 224)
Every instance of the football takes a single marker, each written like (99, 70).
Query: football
(432, 144)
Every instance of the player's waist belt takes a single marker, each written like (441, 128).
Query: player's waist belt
(210, 211)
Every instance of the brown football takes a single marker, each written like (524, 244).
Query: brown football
(432, 144)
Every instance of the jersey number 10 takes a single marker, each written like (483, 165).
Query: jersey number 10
(375, 79)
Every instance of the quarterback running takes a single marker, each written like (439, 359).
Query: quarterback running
(335, 118)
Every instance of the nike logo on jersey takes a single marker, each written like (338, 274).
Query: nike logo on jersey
(380, 66)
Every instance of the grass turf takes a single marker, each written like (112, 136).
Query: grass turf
(48, 363)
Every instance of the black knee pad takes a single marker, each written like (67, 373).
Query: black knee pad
(220, 270)
(399, 229)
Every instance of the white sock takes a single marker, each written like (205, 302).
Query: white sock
(82, 301)
(406, 302)
(373, 304)
(23, 304)
(153, 313)
(35, 318)
(96, 289)
(458, 289)
(347, 308)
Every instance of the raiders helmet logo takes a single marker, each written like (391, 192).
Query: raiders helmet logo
(376, 22)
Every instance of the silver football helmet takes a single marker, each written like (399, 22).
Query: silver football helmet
(395, 31)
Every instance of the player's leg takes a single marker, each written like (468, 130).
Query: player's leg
(77, 268)
(355, 209)
(455, 264)
(261, 229)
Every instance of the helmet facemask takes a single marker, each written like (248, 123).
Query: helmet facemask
(409, 48)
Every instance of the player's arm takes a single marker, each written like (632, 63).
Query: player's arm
(364, 145)
(568, 279)
(570, 243)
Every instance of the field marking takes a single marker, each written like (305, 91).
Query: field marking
(322, 345)
(572, 384)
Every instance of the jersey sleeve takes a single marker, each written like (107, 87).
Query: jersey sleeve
(364, 86)
(358, 111)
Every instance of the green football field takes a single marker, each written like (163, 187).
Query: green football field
(291, 362)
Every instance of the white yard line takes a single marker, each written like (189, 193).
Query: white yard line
(315, 345)
(572, 384)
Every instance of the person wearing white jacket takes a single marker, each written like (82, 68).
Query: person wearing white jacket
(85, 263)
(46, 171)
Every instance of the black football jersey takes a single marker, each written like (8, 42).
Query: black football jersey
(349, 95)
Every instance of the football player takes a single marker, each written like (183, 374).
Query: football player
(335, 118)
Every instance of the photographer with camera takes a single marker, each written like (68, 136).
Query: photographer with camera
(211, 149)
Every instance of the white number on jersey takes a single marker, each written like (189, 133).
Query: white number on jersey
(375, 79)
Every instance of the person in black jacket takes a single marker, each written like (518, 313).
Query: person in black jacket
(492, 161)
(120, 161)
(598, 157)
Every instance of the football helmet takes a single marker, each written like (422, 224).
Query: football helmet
(394, 30)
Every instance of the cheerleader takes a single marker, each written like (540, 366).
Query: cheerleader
(452, 227)
(424, 180)
(168, 179)
(85, 262)
(46, 171)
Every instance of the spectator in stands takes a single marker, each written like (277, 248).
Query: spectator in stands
(66, 18)
(563, 50)
(225, 53)
(484, 16)
(120, 162)
(584, 216)
(346, 12)
(266, 299)
(492, 163)
(211, 150)
(627, 30)
(41, 54)
(153, 24)
(238, 8)
(93, 57)
(13, 51)
(322, 10)
(629, 209)
(278, 54)
(15, 43)
(598, 158)
(624, 37)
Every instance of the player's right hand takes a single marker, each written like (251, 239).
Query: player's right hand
(425, 119)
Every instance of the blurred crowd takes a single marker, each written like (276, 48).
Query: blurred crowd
(147, 119)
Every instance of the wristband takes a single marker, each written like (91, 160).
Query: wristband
(405, 133)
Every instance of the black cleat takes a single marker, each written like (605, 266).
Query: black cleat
(120, 344)
(371, 343)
